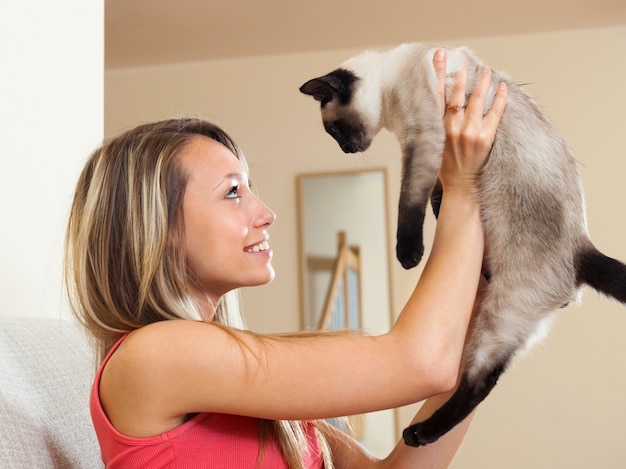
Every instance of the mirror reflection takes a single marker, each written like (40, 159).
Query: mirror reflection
(344, 280)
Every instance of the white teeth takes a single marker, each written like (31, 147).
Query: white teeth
(264, 246)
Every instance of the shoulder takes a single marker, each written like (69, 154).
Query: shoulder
(140, 385)
(154, 334)
(157, 350)
(163, 336)
(143, 345)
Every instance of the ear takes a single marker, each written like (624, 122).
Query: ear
(339, 83)
(322, 88)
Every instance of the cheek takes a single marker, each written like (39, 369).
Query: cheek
(204, 262)
(199, 243)
(211, 243)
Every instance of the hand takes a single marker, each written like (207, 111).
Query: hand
(469, 133)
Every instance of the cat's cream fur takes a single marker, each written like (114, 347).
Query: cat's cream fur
(538, 249)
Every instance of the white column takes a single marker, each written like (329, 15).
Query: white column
(51, 117)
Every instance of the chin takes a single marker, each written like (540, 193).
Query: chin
(271, 277)
(268, 277)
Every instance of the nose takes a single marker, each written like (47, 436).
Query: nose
(266, 215)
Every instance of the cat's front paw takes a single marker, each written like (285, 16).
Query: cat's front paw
(409, 236)
(409, 252)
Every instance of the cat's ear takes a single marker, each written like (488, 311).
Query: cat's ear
(339, 83)
(322, 88)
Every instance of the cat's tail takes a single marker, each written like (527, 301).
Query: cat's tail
(603, 273)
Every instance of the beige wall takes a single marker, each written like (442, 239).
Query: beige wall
(562, 407)
(51, 116)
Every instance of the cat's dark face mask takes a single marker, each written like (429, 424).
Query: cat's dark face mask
(349, 134)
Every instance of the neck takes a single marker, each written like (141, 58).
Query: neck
(205, 302)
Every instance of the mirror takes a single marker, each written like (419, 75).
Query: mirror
(350, 207)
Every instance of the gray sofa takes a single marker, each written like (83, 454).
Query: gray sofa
(46, 369)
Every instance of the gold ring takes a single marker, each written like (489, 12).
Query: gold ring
(455, 108)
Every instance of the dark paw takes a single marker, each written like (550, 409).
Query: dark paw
(409, 254)
(412, 436)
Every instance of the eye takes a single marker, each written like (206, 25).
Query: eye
(233, 192)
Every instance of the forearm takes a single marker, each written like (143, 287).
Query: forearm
(434, 322)
(437, 455)
(350, 454)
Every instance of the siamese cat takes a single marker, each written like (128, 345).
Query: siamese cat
(539, 252)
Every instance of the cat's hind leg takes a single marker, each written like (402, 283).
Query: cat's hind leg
(514, 315)
(470, 392)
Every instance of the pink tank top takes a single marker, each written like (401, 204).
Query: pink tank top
(208, 440)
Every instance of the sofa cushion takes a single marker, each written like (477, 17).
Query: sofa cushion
(46, 370)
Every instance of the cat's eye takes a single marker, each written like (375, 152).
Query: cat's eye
(324, 98)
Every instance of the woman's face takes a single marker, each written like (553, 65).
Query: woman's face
(226, 239)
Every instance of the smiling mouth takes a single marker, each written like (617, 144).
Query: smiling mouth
(264, 246)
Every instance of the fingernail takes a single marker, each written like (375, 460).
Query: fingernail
(440, 55)
(502, 86)
(484, 69)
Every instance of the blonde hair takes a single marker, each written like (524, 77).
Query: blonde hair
(124, 256)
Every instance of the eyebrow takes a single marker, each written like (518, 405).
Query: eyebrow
(234, 176)
(238, 176)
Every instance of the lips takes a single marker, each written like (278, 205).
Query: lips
(262, 246)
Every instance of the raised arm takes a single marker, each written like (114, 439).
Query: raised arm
(469, 138)
(165, 371)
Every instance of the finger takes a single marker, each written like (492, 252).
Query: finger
(494, 114)
(457, 96)
(476, 100)
(439, 62)
(490, 122)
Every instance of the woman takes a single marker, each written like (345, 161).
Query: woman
(164, 228)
